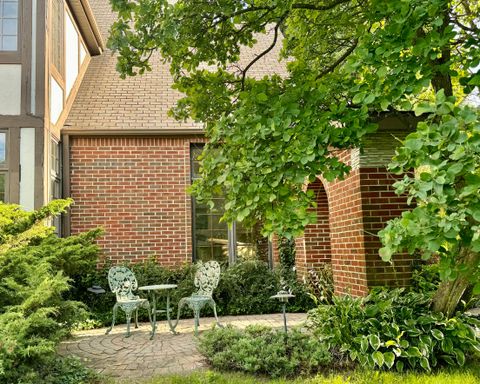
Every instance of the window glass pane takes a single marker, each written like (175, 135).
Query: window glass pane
(2, 186)
(251, 244)
(10, 9)
(56, 181)
(9, 43)
(3, 147)
(8, 25)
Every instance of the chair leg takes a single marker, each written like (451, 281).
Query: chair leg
(214, 307)
(115, 308)
(136, 318)
(196, 314)
(128, 315)
(181, 304)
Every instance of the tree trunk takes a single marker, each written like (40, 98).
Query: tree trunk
(450, 293)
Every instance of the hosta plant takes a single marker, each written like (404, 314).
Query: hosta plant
(395, 329)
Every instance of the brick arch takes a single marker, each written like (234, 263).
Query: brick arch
(317, 236)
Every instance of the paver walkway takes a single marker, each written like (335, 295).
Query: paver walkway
(140, 357)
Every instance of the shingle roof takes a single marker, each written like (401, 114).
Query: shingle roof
(106, 102)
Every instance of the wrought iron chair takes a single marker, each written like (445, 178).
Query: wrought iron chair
(123, 283)
(206, 280)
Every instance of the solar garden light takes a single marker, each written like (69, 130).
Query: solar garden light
(283, 297)
(96, 289)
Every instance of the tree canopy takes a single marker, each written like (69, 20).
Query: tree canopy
(346, 61)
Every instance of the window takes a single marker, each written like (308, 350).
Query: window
(3, 167)
(8, 25)
(58, 35)
(56, 180)
(212, 239)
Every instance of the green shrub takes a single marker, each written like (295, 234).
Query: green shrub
(319, 283)
(286, 256)
(35, 270)
(57, 370)
(395, 329)
(261, 350)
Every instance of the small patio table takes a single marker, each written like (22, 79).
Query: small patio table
(153, 289)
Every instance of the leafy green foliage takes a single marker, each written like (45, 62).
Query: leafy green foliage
(263, 351)
(286, 256)
(425, 278)
(319, 283)
(345, 60)
(445, 153)
(35, 267)
(395, 329)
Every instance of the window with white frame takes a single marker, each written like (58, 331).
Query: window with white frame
(9, 25)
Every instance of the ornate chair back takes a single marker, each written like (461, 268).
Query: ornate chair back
(207, 278)
(122, 282)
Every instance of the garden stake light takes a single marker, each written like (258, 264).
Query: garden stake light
(283, 297)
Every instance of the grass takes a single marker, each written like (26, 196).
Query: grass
(467, 375)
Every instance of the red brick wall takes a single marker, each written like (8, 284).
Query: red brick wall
(135, 189)
(380, 204)
(346, 233)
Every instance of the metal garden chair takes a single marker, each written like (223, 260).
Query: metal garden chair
(123, 283)
(206, 280)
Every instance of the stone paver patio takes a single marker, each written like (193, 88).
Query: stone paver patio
(140, 357)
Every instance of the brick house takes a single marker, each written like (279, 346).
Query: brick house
(70, 127)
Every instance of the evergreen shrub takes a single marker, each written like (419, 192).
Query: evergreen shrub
(35, 270)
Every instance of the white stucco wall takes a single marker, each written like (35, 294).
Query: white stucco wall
(71, 53)
(56, 100)
(10, 89)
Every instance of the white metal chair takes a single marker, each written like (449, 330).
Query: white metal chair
(123, 283)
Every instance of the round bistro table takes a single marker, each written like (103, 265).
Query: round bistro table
(152, 290)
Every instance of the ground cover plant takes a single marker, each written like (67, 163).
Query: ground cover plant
(263, 351)
(35, 270)
(395, 329)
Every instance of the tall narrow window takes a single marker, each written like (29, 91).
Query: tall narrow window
(213, 239)
(56, 180)
(58, 35)
(210, 236)
(3, 167)
(8, 25)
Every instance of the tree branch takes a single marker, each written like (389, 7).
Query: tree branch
(465, 28)
(262, 54)
(339, 61)
(319, 7)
